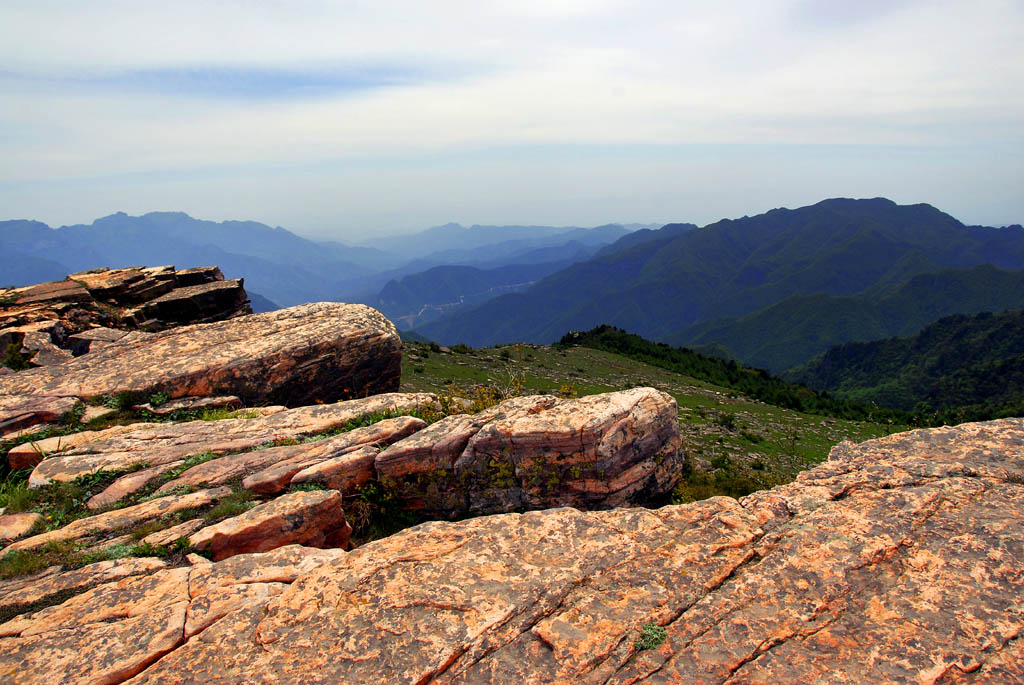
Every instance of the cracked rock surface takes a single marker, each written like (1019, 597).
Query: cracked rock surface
(900, 559)
(322, 351)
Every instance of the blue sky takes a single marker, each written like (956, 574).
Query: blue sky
(350, 119)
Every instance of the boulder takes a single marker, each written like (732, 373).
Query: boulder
(199, 303)
(536, 452)
(129, 484)
(307, 518)
(19, 411)
(899, 560)
(14, 526)
(157, 444)
(323, 351)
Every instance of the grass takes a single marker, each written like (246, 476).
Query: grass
(755, 445)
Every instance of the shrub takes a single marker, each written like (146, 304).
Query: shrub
(651, 635)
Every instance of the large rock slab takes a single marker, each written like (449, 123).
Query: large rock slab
(156, 444)
(323, 351)
(304, 518)
(112, 632)
(537, 452)
(899, 560)
(21, 410)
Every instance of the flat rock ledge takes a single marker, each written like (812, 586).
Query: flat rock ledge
(322, 352)
(899, 560)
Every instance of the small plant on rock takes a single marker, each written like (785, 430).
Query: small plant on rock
(651, 635)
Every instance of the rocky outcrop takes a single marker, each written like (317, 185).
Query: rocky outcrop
(535, 452)
(159, 444)
(315, 352)
(899, 560)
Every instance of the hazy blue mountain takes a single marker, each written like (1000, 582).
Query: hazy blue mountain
(963, 367)
(422, 297)
(731, 268)
(796, 329)
(458, 242)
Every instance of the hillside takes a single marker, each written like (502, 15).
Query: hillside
(800, 327)
(960, 367)
(658, 288)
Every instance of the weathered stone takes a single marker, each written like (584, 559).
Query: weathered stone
(897, 561)
(29, 454)
(14, 526)
(209, 608)
(199, 303)
(157, 444)
(191, 404)
(536, 452)
(96, 413)
(321, 351)
(168, 536)
(53, 582)
(121, 518)
(347, 472)
(305, 518)
(277, 477)
(42, 350)
(128, 484)
(20, 411)
(56, 291)
(197, 275)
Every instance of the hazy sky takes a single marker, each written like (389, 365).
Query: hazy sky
(348, 119)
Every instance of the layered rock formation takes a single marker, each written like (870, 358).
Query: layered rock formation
(315, 352)
(900, 559)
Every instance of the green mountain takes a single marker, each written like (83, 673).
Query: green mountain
(798, 328)
(964, 368)
(660, 287)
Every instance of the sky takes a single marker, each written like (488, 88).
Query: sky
(350, 120)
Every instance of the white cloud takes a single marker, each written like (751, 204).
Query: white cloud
(482, 76)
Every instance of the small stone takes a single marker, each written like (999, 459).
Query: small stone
(14, 526)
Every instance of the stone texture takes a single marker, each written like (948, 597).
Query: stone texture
(22, 410)
(128, 484)
(899, 560)
(129, 517)
(306, 518)
(14, 526)
(158, 444)
(277, 477)
(168, 536)
(29, 454)
(199, 303)
(53, 582)
(191, 404)
(536, 452)
(346, 473)
(321, 351)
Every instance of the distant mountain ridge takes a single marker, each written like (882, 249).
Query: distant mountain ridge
(675, 278)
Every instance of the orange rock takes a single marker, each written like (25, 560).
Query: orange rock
(126, 485)
(14, 526)
(345, 473)
(296, 518)
(121, 518)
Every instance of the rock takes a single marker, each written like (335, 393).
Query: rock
(18, 594)
(96, 413)
(128, 484)
(535, 452)
(20, 411)
(94, 338)
(346, 473)
(899, 560)
(278, 476)
(29, 454)
(56, 291)
(306, 518)
(322, 351)
(191, 404)
(158, 444)
(168, 536)
(42, 350)
(128, 517)
(14, 526)
(199, 303)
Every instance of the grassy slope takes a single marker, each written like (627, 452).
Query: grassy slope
(735, 444)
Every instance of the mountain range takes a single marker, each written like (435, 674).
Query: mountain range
(849, 264)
